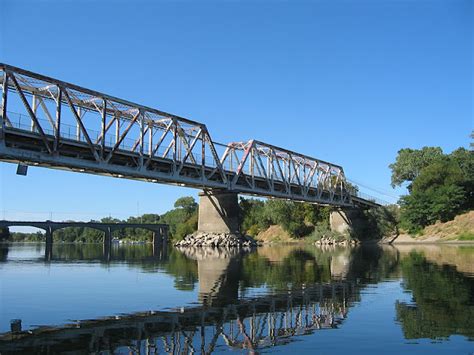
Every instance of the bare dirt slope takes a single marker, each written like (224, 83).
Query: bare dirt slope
(443, 232)
(274, 233)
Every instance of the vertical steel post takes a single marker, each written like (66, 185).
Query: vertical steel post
(203, 153)
(103, 126)
(150, 139)
(57, 131)
(35, 109)
(78, 127)
(272, 170)
(251, 164)
(142, 137)
(175, 147)
(4, 106)
(289, 172)
(117, 128)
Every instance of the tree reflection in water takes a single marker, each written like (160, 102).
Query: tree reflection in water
(443, 300)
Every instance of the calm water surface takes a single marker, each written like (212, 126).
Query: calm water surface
(299, 299)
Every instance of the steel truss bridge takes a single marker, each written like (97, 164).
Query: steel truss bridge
(51, 123)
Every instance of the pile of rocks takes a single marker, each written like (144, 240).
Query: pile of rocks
(207, 253)
(200, 239)
(333, 241)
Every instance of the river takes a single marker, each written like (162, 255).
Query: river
(280, 298)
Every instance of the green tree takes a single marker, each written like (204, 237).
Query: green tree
(437, 194)
(187, 203)
(297, 218)
(440, 185)
(410, 162)
(187, 227)
(253, 218)
(183, 219)
(465, 160)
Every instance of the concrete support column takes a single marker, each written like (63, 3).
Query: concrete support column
(107, 243)
(339, 222)
(343, 220)
(164, 233)
(157, 238)
(49, 235)
(218, 212)
(48, 251)
(156, 250)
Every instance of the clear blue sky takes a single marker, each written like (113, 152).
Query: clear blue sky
(351, 82)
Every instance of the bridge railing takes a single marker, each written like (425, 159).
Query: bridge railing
(366, 197)
(70, 132)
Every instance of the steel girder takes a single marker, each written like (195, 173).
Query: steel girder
(282, 173)
(48, 122)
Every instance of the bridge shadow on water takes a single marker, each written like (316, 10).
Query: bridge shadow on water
(301, 290)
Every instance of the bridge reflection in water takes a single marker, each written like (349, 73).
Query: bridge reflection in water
(221, 318)
(248, 324)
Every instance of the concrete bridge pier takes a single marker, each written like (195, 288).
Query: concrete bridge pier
(107, 248)
(48, 251)
(159, 242)
(345, 220)
(157, 239)
(218, 223)
(339, 221)
(219, 212)
(164, 234)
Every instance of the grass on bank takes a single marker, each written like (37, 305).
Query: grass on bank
(466, 236)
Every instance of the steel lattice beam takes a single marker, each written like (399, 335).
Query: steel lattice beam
(147, 144)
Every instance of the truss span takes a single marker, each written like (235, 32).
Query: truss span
(48, 122)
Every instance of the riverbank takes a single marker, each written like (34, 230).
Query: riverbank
(460, 230)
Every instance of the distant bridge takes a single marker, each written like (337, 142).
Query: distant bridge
(160, 232)
(51, 123)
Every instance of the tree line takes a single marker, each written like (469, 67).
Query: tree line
(440, 186)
